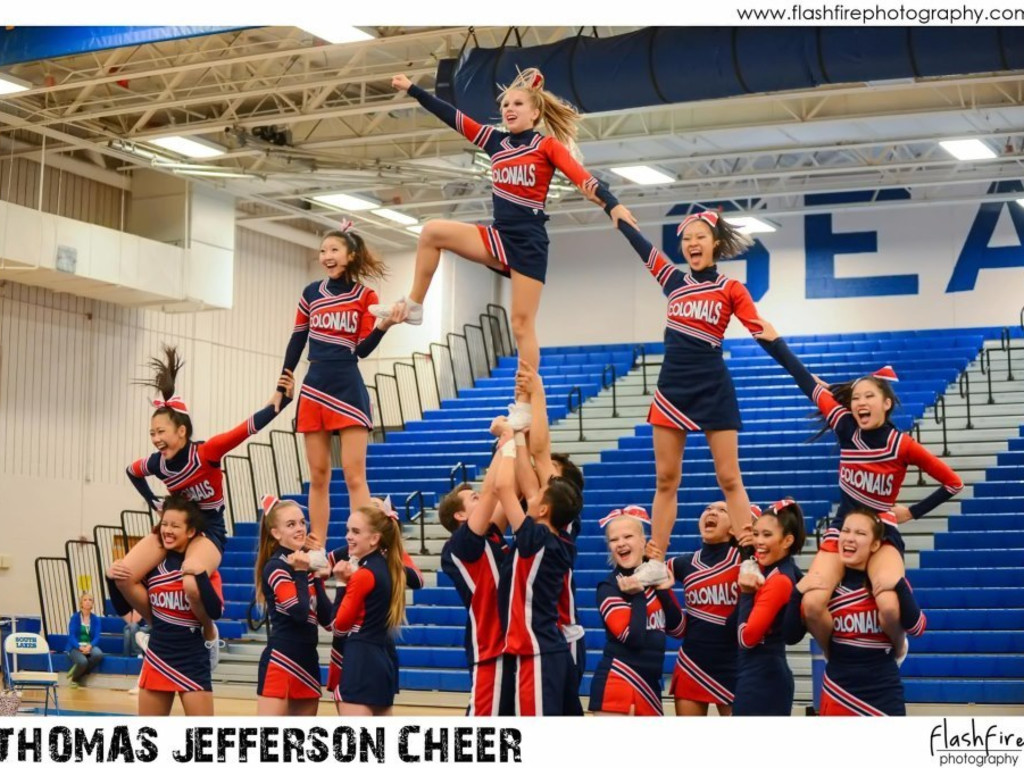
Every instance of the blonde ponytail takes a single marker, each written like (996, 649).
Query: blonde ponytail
(560, 118)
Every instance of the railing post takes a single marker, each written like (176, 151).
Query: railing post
(579, 408)
(422, 517)
(942, 401)
(917, 433)
(988, 373)
(965, 381)
(643, 364)
(1004, 341)
(611, 369)
(465, 473)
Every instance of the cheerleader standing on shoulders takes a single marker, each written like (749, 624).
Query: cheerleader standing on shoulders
(296, 602)
(523, 162)
(873, 460)
(333, 316)
(176, 660)
(695, 392)
(636, 619)
(764, 682)
(371, 610)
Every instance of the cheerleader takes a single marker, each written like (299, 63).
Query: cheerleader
(333, 316)
(296, 602)
(192, 469)
(413, 580)
(705, 670)
(862, 676)
(636, 619)
(176, 660)
(873, 461)
(695, 392)
(764, 682)
(371, 610)
(523, 162)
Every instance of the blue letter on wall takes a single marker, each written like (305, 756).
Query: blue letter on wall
(822, 246)
(978, 255)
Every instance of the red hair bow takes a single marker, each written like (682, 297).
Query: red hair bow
(887, 373)
(174, 403)
(755, 511)
(387, 509)
(537, 81)
(633, 510)
(267, 502)
(780, 505)
(708, 217)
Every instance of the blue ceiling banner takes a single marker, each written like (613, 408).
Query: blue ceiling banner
(22, 44)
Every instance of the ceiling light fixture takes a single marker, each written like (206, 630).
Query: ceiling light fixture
(750, 225)
(338, 34)
(346, 202)
(968, 149)
(643, 174)
(12, 84)
(188, 147)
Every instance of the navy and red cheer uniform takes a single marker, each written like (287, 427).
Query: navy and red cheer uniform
(176, 659)
(413, 580)
(628, 676)
(862, 677)
(333, 316)
(296, 604)
(706, 663)
(695, 392)
(541, 677)
(195, 472)
(522, 165)
(371, 666)
(872, 463)
(568, 608)
(764, 682)
(473, 563)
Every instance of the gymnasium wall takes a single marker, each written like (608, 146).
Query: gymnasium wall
(919, 267)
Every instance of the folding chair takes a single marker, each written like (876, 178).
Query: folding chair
(30, 644)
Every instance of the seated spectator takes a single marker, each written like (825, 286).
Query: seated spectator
(83, 639)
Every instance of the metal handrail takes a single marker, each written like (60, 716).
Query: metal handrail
(987, 369)
(605, 384)
(1004, 343)
(508, 326)
(917, 434)
(962, 383)
(421, 516)
(942, 401)
(451, 363)
(416, 375)
(253, 448)
(380, 412)
(643, 364)
(465, 473)
(578, 409)
(819, 529)
(416, 382)
(398, 396)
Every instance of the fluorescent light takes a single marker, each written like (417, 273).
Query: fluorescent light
(196, 148)
(1020, 202)
(338, 34)
(968, 149)
(395, 216)
(643, 174)
(417, 229)
(347, 202)
(12, 84)
(748, 225)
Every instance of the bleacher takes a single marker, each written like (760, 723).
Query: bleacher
(968, 582)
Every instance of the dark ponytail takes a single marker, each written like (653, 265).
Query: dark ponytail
(165, 372)
(791, 520)
(362, 262)
(731, 241)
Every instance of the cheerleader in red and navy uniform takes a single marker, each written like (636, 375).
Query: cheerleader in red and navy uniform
(873, 461)
(522, 165)
(764, 682)
(636, 620)
(176, 661)
(705, 671)
(695, 392)
(862, 676)
(192, 469)
(371, 611)
(332, 315)
(296, 603)
(413, 580)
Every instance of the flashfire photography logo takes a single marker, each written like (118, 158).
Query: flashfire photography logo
(980, 744)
